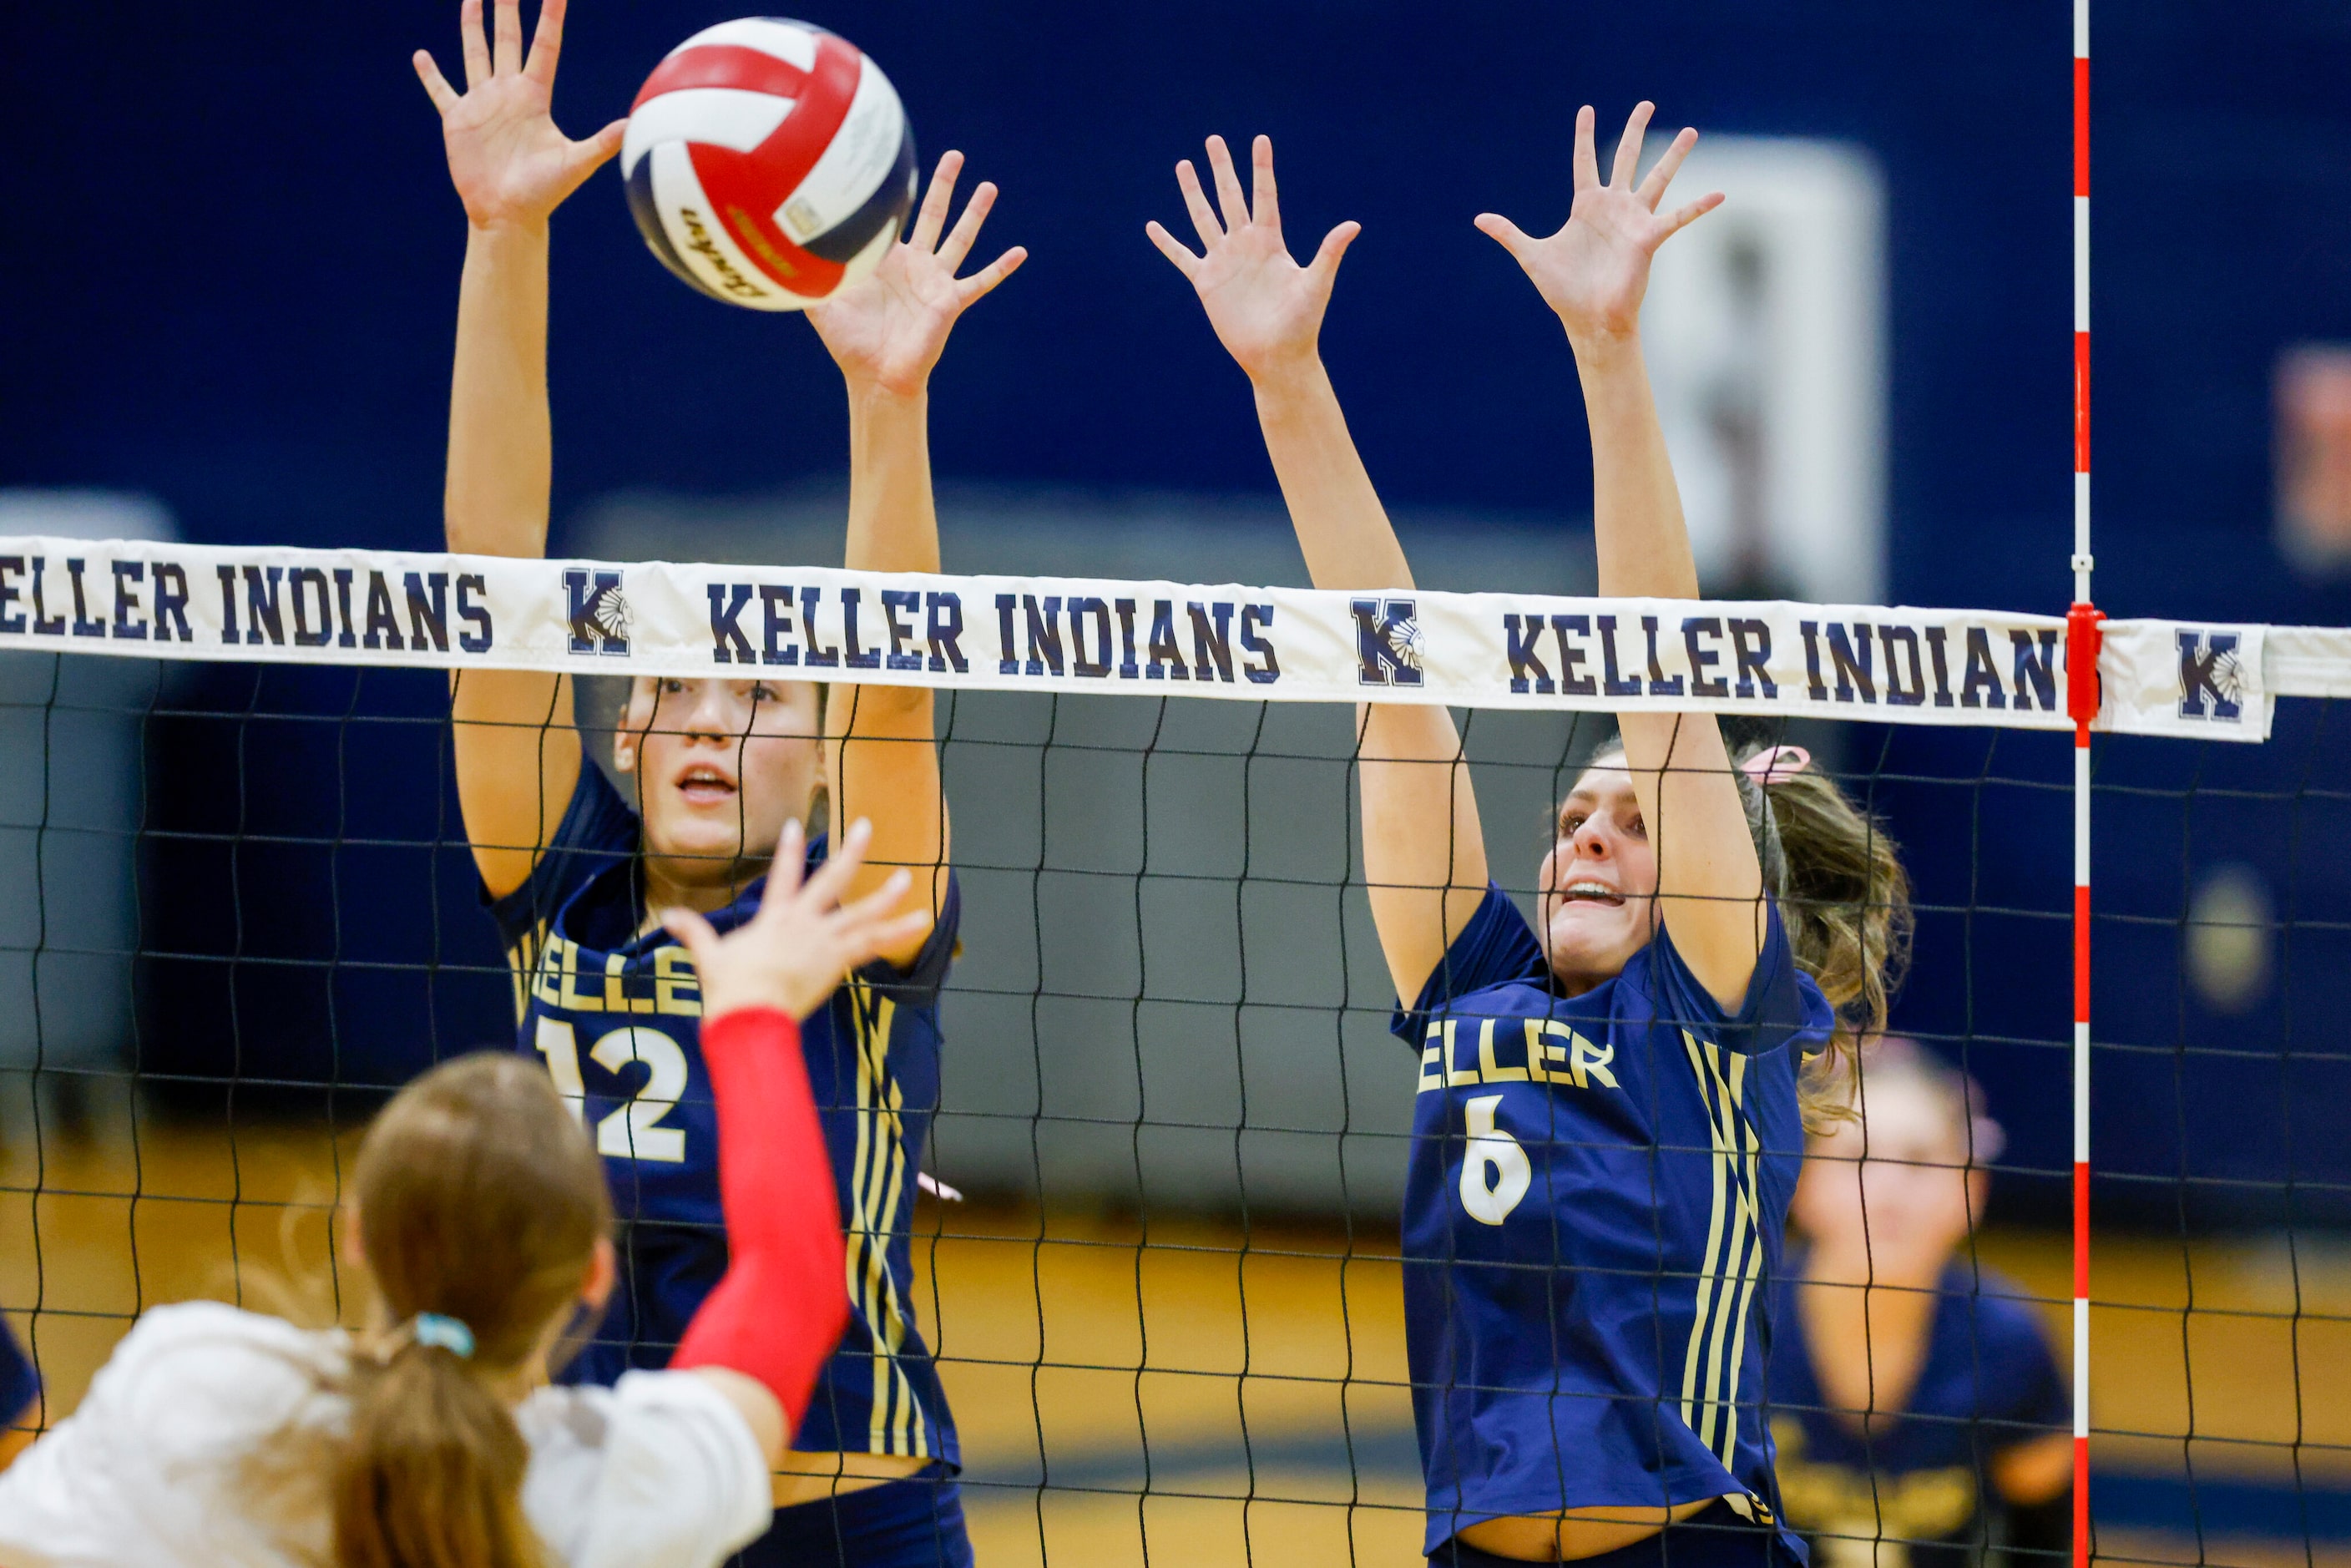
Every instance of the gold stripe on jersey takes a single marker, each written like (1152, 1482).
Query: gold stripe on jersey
(877, 1183)
(522, 963)
(1739, 1137)
(1750, 1189)
(1690, 1416)
(1734, 1259)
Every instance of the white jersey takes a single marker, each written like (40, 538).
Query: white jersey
(173, 1459)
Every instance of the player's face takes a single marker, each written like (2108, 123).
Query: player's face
(1893, 1186)
(721, 766)
(1599, 882)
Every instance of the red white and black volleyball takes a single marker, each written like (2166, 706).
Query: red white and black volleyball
(768, 163)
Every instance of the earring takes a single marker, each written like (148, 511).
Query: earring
(625, 758)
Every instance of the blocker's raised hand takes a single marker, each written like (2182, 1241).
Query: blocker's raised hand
(889, 331)
(1595, 269)
(1267, 309)
(508, 161)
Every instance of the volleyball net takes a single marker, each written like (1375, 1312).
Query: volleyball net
(247, 909)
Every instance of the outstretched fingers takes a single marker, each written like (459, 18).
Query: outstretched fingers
(965, 233)
(1653, 189)
(872, 912)
(788, 866)
(476, 44)
(1683, 216)
(1504, 233)
(1587, 161)
(695, 934)
(979, 284)
(1628, 148)
(1195, 202)
(1265, 201)
(590, 155)
(505, 36)
(1325, 265)
(436, 85)
(545, 42)
(1230, 197)
(1172, 248)
(931, 220)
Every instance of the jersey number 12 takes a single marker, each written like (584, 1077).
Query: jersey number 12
(635, 1131)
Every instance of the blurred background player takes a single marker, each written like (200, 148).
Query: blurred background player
(1919, 1414)
(575, 873)
(1609, 1098)
(481, 1221)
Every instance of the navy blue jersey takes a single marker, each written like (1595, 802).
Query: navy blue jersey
(616, 1016)
(19, 1383)
(1908, 1490)
(1593, 1216)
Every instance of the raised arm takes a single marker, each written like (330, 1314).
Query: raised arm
(1424, 849)
(886, 334)
(517, 754)
(1593, 273)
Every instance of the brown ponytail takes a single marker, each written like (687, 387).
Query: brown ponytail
(479, 1199)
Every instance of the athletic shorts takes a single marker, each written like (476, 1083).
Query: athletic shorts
(913, 1523)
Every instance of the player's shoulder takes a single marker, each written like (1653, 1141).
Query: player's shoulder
(1494, 967)
(210, 1347)
(1782, 1006)
(658, 1468)
(194, 1386)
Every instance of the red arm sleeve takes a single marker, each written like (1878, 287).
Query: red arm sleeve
(782, 1304)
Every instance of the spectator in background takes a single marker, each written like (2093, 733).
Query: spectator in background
(1920, 1415)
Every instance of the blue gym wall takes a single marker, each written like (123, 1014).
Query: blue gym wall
(230, 262)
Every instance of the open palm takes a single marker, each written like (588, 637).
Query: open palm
(508, 161)
(888, 330)
(1266, 308)
(1595, 271)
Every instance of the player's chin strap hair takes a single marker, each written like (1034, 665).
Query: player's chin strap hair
(1767, 767)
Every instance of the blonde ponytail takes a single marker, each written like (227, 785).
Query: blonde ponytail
(1846, 907)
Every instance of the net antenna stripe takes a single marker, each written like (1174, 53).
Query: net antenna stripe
(2082, 632)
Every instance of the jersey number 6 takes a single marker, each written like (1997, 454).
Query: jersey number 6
(634, 1131)
(1494, 1170)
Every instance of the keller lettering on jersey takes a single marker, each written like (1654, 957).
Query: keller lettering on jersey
(671, 989)
(1522, 1051)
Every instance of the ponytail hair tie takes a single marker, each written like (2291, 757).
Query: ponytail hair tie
(442, 1333)
(1774, 763)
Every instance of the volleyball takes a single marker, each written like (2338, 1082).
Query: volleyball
(768, 163)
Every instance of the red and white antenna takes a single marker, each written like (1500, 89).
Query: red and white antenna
(2082, 704)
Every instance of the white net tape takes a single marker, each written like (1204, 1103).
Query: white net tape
(1901, 666)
